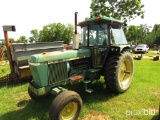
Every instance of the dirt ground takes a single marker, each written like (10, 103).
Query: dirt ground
(94, 115)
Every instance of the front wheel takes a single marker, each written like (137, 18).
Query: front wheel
(119, 71)
(66, 106)
(36, 97)
(33, 95)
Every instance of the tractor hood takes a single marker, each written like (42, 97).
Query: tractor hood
(59, 56)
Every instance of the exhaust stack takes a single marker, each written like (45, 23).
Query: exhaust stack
(75, 37)
(75, 22)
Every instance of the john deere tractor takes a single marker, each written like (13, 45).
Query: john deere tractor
(101, 51)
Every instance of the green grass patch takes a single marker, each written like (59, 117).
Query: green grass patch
(16, 104)
(4, 70)
(144, 94)
(152, 53)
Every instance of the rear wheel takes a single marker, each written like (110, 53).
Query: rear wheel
(119, 72)
(66, 106)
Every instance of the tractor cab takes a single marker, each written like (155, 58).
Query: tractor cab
(101, 35)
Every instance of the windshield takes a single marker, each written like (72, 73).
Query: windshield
(84, 36)
(118, 36)
(98, 35)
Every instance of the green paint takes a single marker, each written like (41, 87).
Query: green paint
(101, 19)
(59, 55)
(40, 74)
(38, 91)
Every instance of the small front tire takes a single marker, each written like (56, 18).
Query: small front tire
(66, 106)
(36, 97)
(33, 95)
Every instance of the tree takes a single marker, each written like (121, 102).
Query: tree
(142, 34)
(131, 33)
(143, 30)
(56, 32)
(68, 33)
(120, 9)
(138, 34)
(35, 36)
(156, 32)
(11, 40)
(150, 38)
(22, 39)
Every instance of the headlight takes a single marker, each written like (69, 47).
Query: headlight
(114, 49)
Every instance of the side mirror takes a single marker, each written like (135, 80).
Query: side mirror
(115, 25)
(124, 24)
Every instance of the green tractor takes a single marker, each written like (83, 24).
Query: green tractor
(101, 51)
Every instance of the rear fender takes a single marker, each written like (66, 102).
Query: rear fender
(126, 49)
(116, 49)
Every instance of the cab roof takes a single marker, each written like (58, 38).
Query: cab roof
(103, 19)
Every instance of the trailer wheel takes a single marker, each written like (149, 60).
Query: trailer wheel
(119, 71)
(66, 106)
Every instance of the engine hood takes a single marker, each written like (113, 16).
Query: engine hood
(59, 55)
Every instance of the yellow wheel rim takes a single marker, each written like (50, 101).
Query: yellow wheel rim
(125, 71)
(69, 111)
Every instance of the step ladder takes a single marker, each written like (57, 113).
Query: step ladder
(85, 86)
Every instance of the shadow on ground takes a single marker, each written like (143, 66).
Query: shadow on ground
(39, 110)
(29, 110)
(156, 117)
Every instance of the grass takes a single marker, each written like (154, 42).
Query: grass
(4, 70)
(151, 53)
(144, 93)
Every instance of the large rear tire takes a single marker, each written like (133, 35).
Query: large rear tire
(119, 71)
(66, 106)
